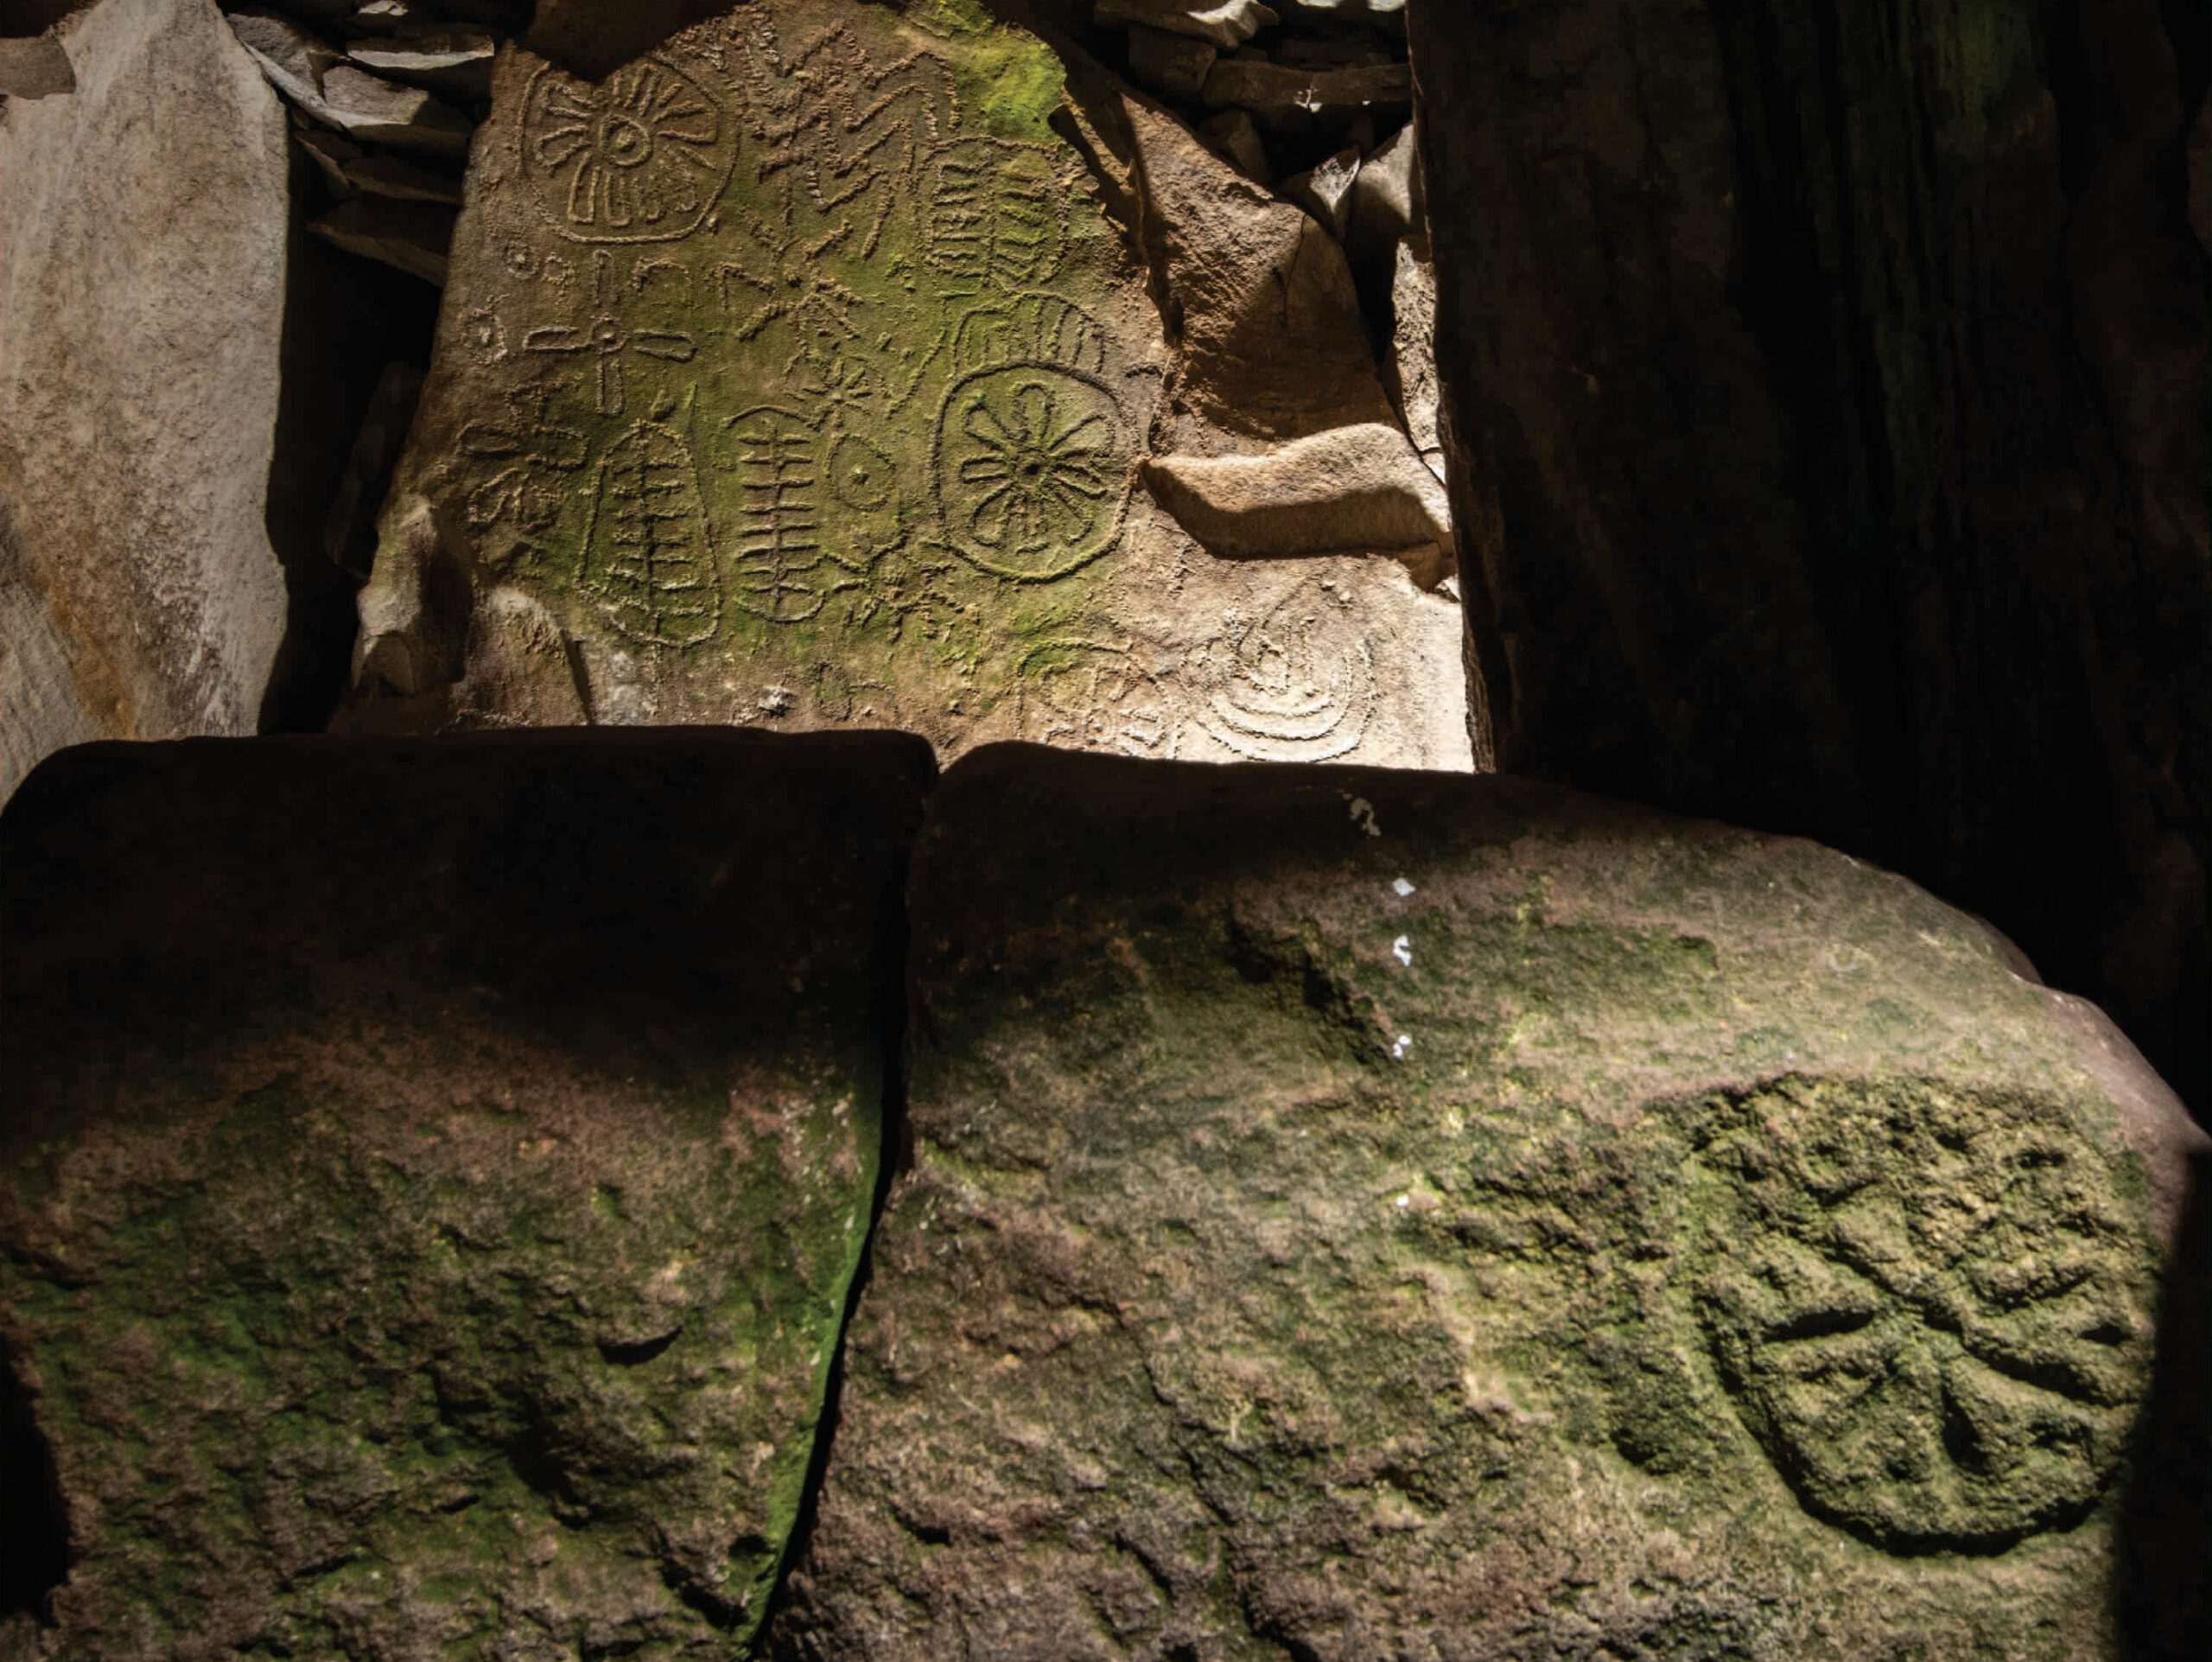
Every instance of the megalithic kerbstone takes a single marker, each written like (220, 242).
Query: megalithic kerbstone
(431, 1177)
(1358, 1215)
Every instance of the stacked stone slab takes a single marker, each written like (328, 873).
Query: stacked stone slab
(797, 373)
(1357, 1214)
(430, 1184)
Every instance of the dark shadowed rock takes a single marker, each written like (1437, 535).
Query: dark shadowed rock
(431, 1177)
(1357, 1214)
(1828, 392)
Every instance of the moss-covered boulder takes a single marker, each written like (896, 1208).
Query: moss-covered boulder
(1357, 1214)
(799, 373)
(430, 1184)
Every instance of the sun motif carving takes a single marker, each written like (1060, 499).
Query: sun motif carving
(1030, 469)
(639, 157)
(1933, 1310)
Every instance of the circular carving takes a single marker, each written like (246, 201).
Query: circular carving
(1298, 685)
(861, 475)
(1930, 1307)
(1031, 469)
(637, 158)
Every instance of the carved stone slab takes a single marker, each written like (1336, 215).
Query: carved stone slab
(796, 374)
(1357, 1214)
(430, 1183)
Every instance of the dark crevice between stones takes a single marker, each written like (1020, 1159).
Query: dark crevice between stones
(34, 1523)
(897, 1003)
(345, 318)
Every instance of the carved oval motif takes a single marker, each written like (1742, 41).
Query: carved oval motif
(639, 157)
(645, 556)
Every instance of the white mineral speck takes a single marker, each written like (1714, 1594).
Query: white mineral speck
(1405, 1043)
(1401, 888)
(1404, 948)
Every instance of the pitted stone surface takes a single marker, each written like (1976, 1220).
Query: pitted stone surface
(1356, 1215)
(798, 372)
(431, 1180)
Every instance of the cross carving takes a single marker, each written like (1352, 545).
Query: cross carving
(607, 339)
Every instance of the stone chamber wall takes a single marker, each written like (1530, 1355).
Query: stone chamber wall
(1653, 1110)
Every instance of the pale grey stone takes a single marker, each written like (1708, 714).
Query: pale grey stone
(141, 297)
(316, 76)
(1228, 23)
(455, 60)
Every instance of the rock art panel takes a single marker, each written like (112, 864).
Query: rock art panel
(445, 1248)
(802, 351)
(1358, 1213)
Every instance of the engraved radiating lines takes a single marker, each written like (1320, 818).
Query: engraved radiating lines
(1930, 1307)
(639, 157)
(1030, 465)
(779, 535)
(1033, 464)
(646, 555)
(607, 339)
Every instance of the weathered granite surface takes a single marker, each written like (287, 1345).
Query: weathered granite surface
(142, 288)
(798, 374)
(1357, 1214)
(431, 1179)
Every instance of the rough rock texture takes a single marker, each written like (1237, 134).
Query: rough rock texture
(1828, 391)
(431, 1181)
(1358, 1215)
(138, 594)
(815, 394)
(1348, 487)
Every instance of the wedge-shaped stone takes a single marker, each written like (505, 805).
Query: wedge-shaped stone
(432, 1177)
(816, 393)
(1358, 1215)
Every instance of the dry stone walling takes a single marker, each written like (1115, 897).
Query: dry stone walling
(797, 373)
